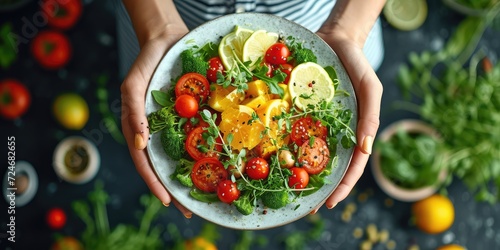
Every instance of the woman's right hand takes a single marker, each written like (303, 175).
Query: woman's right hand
(133, 93)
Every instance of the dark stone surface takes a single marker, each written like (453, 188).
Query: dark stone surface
(95, 54)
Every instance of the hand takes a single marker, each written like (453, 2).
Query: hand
(134, 122)
(368, 90)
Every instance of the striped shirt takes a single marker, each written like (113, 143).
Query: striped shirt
(308, 13)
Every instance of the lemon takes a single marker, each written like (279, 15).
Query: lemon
(257, 44)
(405, 14)
(199, 243)
(240, 122)
(310, 84)
(71, 111)
(434, 214)
(231, 45)
(451, 247)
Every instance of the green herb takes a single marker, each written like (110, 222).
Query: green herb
(109, 119)
(463, 103)
(299, 53)
(8, 50)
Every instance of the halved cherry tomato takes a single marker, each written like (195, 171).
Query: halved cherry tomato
(287, 69)
(62, 14)
(195, 139)
(52, 49)
(56, 218)
(193, 84)
(214, 66)
(227, 191)
(299, 178)
(207, 173)
(314, 156)
(257, 168)
(194, 122)
(186, 106)
(278, 53)
(306, 127)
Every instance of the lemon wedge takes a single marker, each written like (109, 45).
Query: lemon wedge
(231, 45)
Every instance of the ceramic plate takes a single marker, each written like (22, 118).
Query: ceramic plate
(170, 67)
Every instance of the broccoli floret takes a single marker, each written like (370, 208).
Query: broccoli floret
(183, 172)
(275, 199)
(191, 62)
(244, 203)
(173, 143)
(302, 55)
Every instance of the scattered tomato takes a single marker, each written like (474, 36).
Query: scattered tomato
(56, 218)
(306, 127)
(67, 243)
(62, 14)
(257, 168)
(207, 173)
(287, 69)
(197, 147)
(193, 84)
(278, 53)
(15, 99)
(52, 49)
(314, 156)
(214, 66)
(186, 106)
(299, 178)
(227, 191)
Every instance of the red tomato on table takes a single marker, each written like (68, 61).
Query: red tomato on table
(306, 127)
(56, 218)
(314, 157)
(15, 99)
(52, 49)
(207, 173)
(227, 191)
(195, 139)
(62, 14)
(193, 84)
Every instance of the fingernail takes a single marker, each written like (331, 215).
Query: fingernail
(139, 142)
(332, 206)
(188, 216)
(367, 144)
(165, 204)
(314, 211)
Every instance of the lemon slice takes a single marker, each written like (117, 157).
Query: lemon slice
(231, 45)
(310, 84)
(405, 14)
(240, 123)
(257, 44)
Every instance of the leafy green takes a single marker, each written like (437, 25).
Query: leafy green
(109, 119)
(195, 59)
(299, 53)
(245, 203)
(8, 51)
(463, 103)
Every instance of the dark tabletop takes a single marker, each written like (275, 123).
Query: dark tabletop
(95, 55)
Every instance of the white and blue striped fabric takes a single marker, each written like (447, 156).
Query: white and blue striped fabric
(308, 13)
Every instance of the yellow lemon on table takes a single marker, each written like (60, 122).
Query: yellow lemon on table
(199, 243)
(405, 14)
(309, 84)
(451, 247)
(71, 111)
(434, 214)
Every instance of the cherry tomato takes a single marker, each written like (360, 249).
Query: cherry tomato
(15, 99)
(287, 69)
(62, 14)
(207, 173)
(227, 191)
(56, 218)
(306, 127)
(314, 157)
(278, 53)
(52, 49)
(194, 122)
(195, 139)
(193, 84)
(214, 66)
(186, 106)
(257, 168)
(299, 178)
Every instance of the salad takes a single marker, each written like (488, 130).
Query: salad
(252, 120)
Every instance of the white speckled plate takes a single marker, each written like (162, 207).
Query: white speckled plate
(170, 67)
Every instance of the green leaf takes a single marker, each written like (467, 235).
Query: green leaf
(161, 98)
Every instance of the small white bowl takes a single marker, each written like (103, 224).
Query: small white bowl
(391, 189)
(21, 168)
(91, 168)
